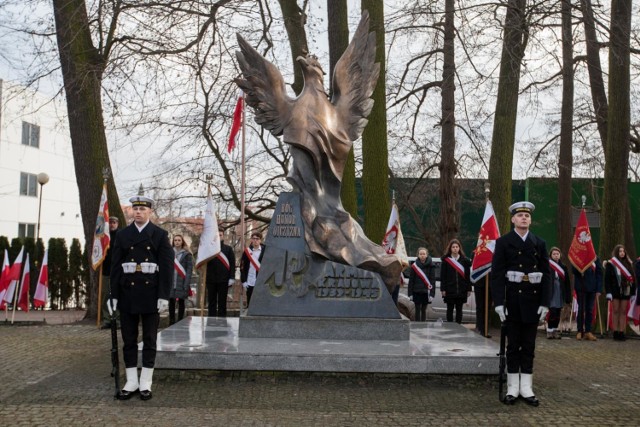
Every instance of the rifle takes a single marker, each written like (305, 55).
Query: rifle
(502, 376)
(115, 362)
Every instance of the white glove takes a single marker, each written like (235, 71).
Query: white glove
(542, 311)
(245, 285)
(231, 282)
(111, 309)
(163, 305)
(430, 299)
(410, 297)
(502, 313)
(609, 297)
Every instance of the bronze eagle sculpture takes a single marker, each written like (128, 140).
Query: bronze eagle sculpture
(321, 132)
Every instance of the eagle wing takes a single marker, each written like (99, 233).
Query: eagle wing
(264, 88)
(354, 79)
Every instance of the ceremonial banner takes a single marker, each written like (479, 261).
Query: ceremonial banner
(581, 253)
(14, 278)
(486, 245)
(393, 241)
(209, 239)
(23, 293)
(101, 236)
(237, 123)
(40, 297)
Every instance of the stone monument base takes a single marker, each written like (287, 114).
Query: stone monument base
(324, 328)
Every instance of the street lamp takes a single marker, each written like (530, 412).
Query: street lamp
(43, 178)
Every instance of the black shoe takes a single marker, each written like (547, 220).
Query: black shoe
(106, 326)
(622, 336)
(509, 400)
(145, 395)
(531, 401)
(616, 336)
(125, 394)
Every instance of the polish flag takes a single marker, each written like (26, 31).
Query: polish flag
(393, 242)
(40, 297)
(23, 294)
(14, 278)
(237, 123)
(4, 278)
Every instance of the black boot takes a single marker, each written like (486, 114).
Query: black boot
(622, 336)
(616, 336)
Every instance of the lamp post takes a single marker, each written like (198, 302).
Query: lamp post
(43, 178)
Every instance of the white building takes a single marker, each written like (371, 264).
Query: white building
(34, 139)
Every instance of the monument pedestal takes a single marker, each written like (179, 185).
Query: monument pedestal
(324, 328)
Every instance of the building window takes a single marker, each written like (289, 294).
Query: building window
(30, 134)
(28, 184)
(26, 230)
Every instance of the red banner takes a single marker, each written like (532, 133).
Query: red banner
(581, 253)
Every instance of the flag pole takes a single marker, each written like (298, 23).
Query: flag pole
(243, 230)
(98, 317)
(487, 190)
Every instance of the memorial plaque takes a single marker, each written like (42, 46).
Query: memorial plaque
(294, 282)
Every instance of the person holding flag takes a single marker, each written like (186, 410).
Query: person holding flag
(114, 223)
(421, 289)
(183, 268)
(619, 283)
(221, 273)
(454, 279)
(587, 277)
(560, 294)
(141, 272)
(250, 263)
(521, 288)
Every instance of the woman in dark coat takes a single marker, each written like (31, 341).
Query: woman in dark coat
(454, 279)
(421, 288)
(619, 284)
(560, 294)
(180, 286)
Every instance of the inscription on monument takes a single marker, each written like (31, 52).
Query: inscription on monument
(285, 223)
(344, 282)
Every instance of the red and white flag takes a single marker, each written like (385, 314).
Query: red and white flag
(209, 240)
(41, 295)
(238, 114)
(393, 242)
(14, 279)
(179, 268)
(581, 252)
(101, 236)
(486, 245)
(4, 277)
(25, 284)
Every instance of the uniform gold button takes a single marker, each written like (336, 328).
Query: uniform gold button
(146, 259)
(148, 248)
(133, 260)
(520, 265)
(131, 247)
(535, 266)
(535, 292)
(146, 283)
(520, 291)
(132, 283)
(519, 252)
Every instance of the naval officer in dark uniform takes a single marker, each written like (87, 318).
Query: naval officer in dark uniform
(141, 274)
(521, 290)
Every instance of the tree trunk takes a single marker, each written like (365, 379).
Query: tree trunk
(565, 159)
(338, 25)
(449, 215)
(504, 125)
(614, 203)
(294, 21)
(375, 165)
(82, 69)
(596, 82)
